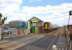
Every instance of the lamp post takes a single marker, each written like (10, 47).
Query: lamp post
(70, 14)
(67, 31)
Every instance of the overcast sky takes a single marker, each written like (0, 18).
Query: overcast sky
(54, 11)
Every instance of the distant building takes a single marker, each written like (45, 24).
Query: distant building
(18, 24)
(20, 27)
(8, 32)
(34, 24)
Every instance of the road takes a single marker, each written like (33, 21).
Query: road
(47, 42)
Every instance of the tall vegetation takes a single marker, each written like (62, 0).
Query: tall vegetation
(2, 21)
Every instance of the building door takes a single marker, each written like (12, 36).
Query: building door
(32, 29)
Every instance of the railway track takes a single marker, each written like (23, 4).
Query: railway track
(44, 43)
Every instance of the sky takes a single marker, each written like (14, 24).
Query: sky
(54, 11)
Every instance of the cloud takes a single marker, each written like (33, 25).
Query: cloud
(55, 14)
(9, 6)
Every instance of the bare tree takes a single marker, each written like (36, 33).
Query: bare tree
(2, 21)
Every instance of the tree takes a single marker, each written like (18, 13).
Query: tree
(2, 21)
